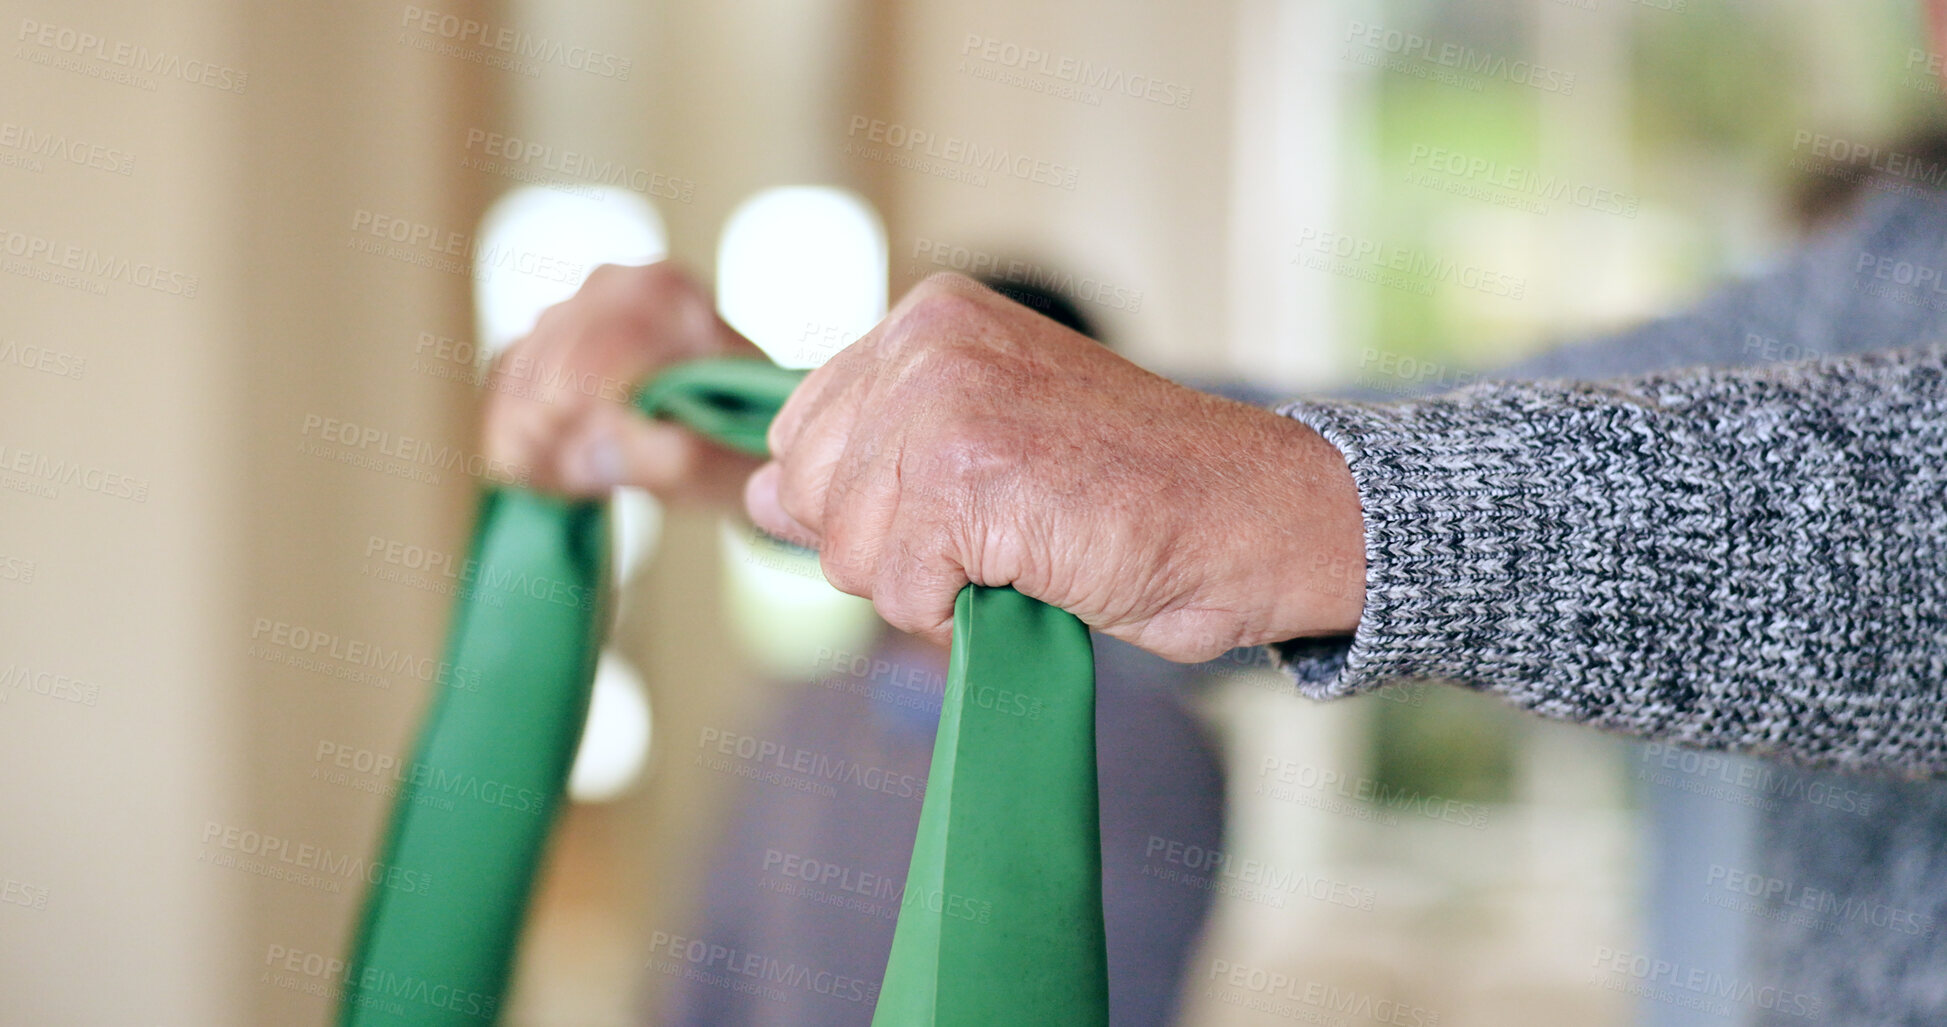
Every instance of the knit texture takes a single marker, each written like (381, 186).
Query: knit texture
(1748, 560)
(1745, 558)
(1739, 557)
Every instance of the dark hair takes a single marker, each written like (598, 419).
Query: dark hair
(1829, 191)
(1049, 303)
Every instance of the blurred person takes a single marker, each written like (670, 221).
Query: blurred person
(816, 880)
(1723, 529)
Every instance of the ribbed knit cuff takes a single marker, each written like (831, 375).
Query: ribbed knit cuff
(1487, 512)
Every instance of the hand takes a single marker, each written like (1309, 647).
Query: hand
(967, 438)
(558, 400)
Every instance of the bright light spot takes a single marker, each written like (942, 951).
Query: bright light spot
(638, 520)
(801, 271)
(780, 607)
(528, 239)
(615, 743)
(539, 245)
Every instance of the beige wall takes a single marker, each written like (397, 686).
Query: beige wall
(138, 599)
(119, 910)
(117, 811)
(1151, 229)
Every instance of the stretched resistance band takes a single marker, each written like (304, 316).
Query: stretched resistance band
(1001, 920)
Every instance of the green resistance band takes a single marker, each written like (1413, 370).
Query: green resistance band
(1001, 921)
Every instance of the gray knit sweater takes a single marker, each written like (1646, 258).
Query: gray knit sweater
(1744, 558)
(1748, 556)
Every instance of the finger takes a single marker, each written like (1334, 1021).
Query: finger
(761, 503)
(916, 589)
(860, 504)
(803, 401)
(836, 377)
(615, 446)
(808, 463)
(526, 439)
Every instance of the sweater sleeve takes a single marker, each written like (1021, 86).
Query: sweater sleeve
(1750, 559)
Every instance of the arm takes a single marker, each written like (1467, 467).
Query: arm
(1747, 559)
(1832, 297)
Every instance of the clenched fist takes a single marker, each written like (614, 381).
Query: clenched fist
(558, 400)
(967, 439)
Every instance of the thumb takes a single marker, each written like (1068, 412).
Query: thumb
(767, 512)
(616, 446)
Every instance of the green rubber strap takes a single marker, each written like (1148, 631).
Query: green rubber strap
(471, 816)
(1001, 922)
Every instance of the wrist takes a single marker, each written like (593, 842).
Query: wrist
(1319, 569)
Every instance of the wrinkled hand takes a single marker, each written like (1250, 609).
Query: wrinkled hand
(968, 439)
(558, 400)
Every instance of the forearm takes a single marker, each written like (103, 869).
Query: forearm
(1741, 559)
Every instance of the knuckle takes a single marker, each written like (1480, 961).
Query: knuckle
(794, 495)
(898, 610)
(947, 282)
(945, 307)
(639, 287)
(968, 452)
(661, 281)
(942, 307)
(843, 566)
(911, 595)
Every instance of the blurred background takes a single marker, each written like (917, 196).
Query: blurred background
(256, 256)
